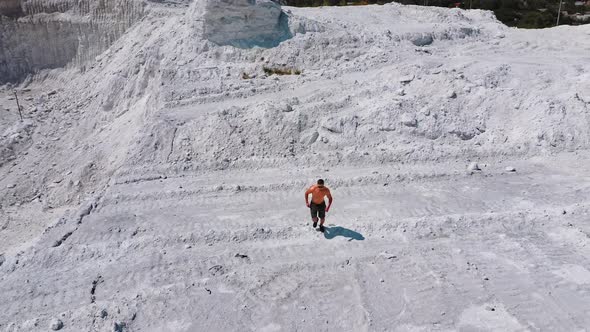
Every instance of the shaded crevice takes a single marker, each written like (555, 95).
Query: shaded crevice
(172, 144)
(63, 239)
(95, 283)
(82, 213)
(85, 212)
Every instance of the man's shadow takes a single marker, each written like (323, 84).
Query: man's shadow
(334, 231)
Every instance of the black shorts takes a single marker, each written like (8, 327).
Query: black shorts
(318, 210)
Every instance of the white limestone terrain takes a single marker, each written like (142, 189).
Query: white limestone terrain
(156, 181)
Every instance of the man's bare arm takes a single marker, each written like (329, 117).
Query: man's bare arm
(329, 202)
(307, 196)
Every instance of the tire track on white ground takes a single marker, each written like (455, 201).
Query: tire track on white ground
(171, 250)
(161, 271)
(424, 201)
(528, 295)
(266, 254)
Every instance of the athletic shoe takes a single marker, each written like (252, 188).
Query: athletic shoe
(315, 224)
(322, 228)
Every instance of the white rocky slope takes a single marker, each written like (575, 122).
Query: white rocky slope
(141, 178)
(44, 34)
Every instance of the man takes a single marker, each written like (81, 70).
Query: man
(318, 204)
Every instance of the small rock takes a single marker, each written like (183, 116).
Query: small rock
(401, 92)
(488, 308)
(409, 120)
(564, 212)
(10, 186)
(406, 79)
(313, 138)
(56, 324)
(216, 270)
(381, 280)
(119, 326)
(241, 256)
(188, 246)
(422, 40)
(473, 167)
(103, 313)
(510, 169)
(451, 94)
(388, 255)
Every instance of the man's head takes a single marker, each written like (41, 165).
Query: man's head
(320, 183)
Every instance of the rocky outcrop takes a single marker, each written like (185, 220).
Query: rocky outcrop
(46, 34)
(56, 33)
(243, 23)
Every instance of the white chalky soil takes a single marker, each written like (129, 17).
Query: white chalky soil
(159, 185)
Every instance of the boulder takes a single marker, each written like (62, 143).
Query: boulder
(243, 23)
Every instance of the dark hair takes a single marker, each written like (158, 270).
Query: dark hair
(321, 182)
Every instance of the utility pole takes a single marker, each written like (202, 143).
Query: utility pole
(18, 105)
(558, 12)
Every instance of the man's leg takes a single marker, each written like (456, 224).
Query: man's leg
(322, 224)
(314, 214)
(322, 215)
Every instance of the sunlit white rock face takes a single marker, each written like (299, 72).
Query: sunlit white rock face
(243, 23)
(114, 188)
(46, 34)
